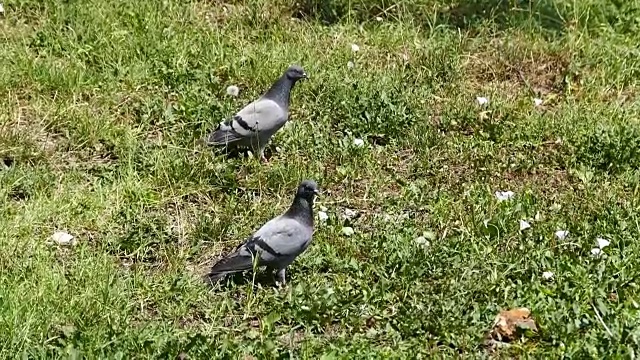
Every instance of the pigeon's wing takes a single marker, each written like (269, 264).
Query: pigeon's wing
(280, 240)
(262, 115)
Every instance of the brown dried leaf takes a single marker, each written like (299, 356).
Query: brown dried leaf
(508, 322)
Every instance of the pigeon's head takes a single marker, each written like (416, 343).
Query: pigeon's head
(295, 73)
(307, 190)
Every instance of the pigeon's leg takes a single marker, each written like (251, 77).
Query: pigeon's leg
(262, 157)
(280, 277)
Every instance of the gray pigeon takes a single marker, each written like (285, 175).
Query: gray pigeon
(255, 124)
(278, 242)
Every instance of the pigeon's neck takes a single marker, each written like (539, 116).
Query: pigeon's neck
(280, 91)
(301, 210)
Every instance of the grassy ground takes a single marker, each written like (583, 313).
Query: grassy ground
(102, 104)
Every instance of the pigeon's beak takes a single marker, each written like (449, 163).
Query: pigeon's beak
(317, 192)
(305, 76)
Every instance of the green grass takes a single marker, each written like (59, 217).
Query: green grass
(102, 104)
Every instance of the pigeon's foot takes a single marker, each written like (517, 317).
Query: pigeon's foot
(263, 158)
(280, 278)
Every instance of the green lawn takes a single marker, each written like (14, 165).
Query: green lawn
(102, 104)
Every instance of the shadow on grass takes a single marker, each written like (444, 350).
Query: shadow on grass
(240, 153)
(468, 14)
(262, 277)
(504, 14)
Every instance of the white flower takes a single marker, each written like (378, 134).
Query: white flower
(421, 240)
(127, 263)
(562, 234)
(322, 216)
(602, 243)
(62, 238)
(524, 225)
(355, 48)
(504, 195)
(358, 142)
(350, 64)
(323, 208)
(537, 102)
(1, 9)
(397, 218)
(547, 275)
(233, 90)
(347, 231)
(482, 100)
(596, 252)
(538, 216)
(224, 125)
(429, 235)
(349, 214)
(378, 18)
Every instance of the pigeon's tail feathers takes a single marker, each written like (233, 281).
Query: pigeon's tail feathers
(229, 265)
(212, 279)
(223, 136)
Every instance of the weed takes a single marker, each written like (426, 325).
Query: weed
(103, 104)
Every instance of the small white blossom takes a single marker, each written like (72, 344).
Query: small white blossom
(547, 275)
(524, 225)
(349, 214)
(347, 231)
(482, 100)
(562, 234)
(358, 142)
(233, 90)
(538, 216)
(537, 102)
(127, 263)
(322, 216)
(355, 48)
(504, 195)
(421, 240)
(350, 65)
(1, 9)
(429, 235)
(323, 208)
(63, 238)
(602, 243)
(378, 18)
(596, 252)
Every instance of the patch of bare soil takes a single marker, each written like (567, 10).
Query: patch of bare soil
(513, 67)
